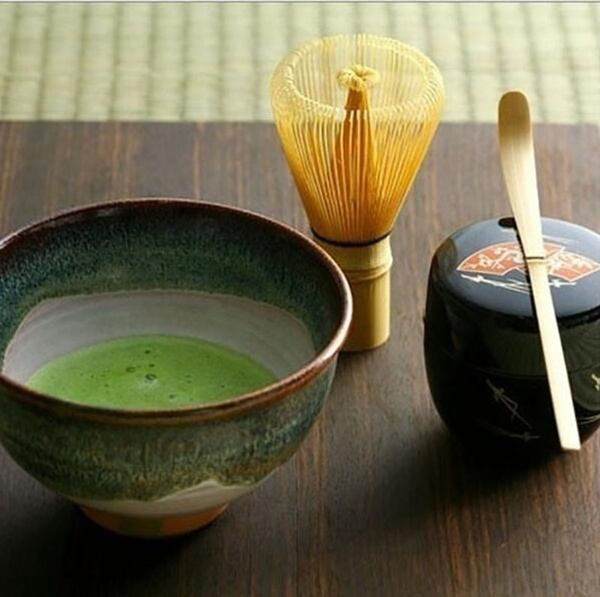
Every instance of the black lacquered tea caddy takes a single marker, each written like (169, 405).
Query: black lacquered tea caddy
(483, 353)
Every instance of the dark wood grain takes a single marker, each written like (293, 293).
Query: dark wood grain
(379, 500)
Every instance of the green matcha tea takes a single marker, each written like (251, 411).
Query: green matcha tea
(148, 372)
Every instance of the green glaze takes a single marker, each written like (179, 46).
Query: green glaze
(175, 248)
(154, 244)
(95, 460)
(150, 372)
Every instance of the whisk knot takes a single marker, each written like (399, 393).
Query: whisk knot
(358, 77)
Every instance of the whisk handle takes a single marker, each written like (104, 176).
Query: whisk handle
(367, 268)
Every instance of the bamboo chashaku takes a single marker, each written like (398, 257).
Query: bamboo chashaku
(356, 115)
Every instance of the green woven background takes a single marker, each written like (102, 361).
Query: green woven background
(209, 61)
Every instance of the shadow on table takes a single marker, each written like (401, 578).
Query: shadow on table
(411, 476)
(57, 551)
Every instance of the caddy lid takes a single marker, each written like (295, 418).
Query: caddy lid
(480, 303)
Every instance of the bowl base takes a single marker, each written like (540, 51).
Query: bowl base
(153, 528)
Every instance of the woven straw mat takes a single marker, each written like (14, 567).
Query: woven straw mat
(213, 61)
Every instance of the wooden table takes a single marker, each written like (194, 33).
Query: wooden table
(379, 500)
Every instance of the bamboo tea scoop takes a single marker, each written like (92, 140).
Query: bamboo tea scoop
(518, 165)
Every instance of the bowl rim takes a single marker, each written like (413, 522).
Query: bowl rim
(275, 392)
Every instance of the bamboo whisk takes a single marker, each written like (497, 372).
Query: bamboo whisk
(355, 115)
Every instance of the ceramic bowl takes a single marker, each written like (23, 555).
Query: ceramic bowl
(178, 267)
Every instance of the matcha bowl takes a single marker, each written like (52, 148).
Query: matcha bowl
(166, 268)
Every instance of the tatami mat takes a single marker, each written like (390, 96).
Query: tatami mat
(212, 61)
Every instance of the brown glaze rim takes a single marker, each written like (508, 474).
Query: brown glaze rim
(235, 406)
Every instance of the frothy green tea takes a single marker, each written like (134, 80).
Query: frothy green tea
(151, 372)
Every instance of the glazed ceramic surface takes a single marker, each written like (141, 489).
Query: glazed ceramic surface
(176, 267)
